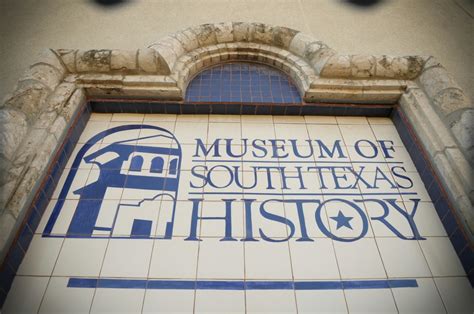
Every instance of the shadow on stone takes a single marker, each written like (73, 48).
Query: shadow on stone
(364, 3)
(109, 3)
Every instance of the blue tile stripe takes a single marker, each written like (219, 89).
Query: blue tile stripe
(446, 212)
(239, 285)
(192, 107)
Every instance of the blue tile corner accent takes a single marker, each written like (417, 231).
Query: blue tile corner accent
(15, 257)
(3, 297)
(6, 277)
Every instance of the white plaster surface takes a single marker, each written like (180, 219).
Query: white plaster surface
(442, 28)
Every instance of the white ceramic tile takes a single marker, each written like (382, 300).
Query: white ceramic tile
(80, 257)
(256, 119)
(370, 301)
(262, 181)
(41, 256)
(441, 257)
(217, 227)
(134, 194)
(153, 136)
(95, 116)
(224, 118)
(220, 182)
(318, 301)
(267, 260)
(230, 255)
(64, 217)
(188, 132)
(79, 182)
(127, 258)
(111, 193)
(258, 131)
(382, 219)
(309, 211)
(61, 299)
(314, 260)
(191, 182)
(402, 258)
(422, 299)
(93, 128)
(359, 259)
(151, 117)
(168, 301)
(262, 226)
(130, 210)
(297, 151)
(357, 134)
(364, 158)
(379, 120)
(351, 120)
(118, 301)
(83, 164)
(174, 258)
(128, 117)
(25, 295)
(457, 294)
(222, 131)
(381, 184)
(427, 220)
(201, 118)
(336, 183)
(417, 186)
(128, 136)
(188, 152)
(107, 214)
(320, 119)
(387, 133)
(46, 215)
(231, 154)
(212, 301)
(183, 217)
(288, 119)
(282, 301)
(291, 131)
(346, 218)
(400, 154)
(305, 183)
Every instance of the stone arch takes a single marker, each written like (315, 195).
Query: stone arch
(190, 51)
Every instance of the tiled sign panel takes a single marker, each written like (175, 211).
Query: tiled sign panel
(210, 213)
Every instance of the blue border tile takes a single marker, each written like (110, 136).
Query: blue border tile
(435, 190)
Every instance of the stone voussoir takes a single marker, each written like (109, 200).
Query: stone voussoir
(463, 130)
(95, 60)
(68, 58)
(224, 32)
(123, 61)
(450, 100)
(300, 44)
(13, 127)
(435, 79)
(29, 97)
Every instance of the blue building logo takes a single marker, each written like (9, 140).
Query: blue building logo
(145, 166)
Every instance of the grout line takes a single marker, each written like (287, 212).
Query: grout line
(375, 239)
(50, 276)
(100, 271)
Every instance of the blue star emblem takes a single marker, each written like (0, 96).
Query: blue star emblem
(342, 221)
